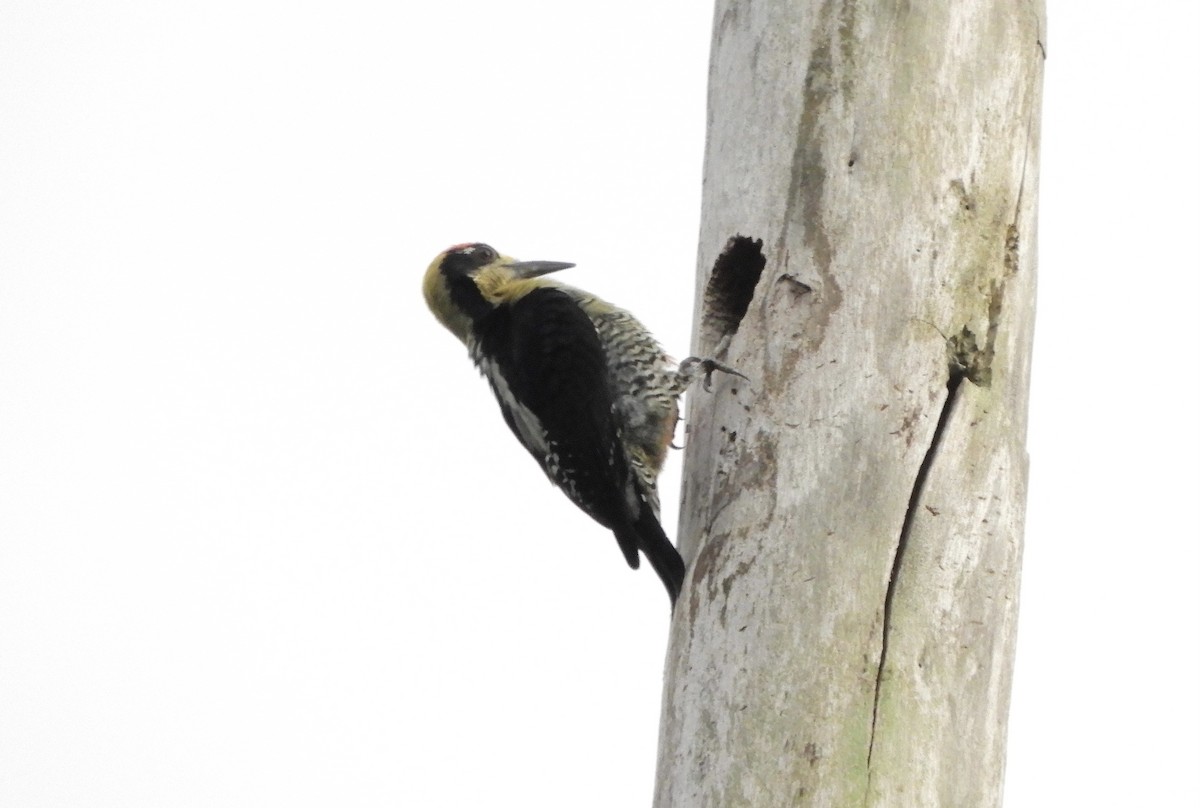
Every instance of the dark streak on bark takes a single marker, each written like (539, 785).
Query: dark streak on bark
(953, 385)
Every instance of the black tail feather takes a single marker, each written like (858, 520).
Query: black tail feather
(647, 535)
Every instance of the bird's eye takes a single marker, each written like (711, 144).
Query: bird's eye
(484, 254)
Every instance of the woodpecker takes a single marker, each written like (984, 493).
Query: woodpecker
(581, 383)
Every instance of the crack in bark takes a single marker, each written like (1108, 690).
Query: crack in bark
(953, 385)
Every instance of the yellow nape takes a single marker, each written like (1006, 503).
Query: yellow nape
(437, 297)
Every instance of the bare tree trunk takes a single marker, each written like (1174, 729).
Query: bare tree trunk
(852, 515)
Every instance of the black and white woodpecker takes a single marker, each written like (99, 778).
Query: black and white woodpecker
(582, 384)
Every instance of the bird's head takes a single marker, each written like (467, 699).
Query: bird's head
(467, 281)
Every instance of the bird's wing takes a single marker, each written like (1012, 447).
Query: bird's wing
(547, 369)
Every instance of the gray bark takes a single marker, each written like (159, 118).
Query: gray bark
(852, 515)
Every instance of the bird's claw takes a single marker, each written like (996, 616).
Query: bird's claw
(711, 366)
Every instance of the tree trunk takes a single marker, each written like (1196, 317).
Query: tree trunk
(852, 514)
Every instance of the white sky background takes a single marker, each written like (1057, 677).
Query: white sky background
(264, 539)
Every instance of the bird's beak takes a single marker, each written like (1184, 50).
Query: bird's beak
(532, 269)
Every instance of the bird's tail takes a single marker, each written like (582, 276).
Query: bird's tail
(647, 535)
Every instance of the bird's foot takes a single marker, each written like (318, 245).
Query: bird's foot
(692, 364)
